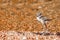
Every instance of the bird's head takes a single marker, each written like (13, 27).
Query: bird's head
(38, 14)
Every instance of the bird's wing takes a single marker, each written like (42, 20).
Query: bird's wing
(46, 19)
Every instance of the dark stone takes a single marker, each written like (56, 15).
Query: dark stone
(47, 0)
(46, 34)
(38, 33)
(58, 33)
(37, 9)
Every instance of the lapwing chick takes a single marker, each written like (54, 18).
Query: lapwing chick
(43, 20)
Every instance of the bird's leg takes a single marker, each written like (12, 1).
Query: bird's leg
(45, 28)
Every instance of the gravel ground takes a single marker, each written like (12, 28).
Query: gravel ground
(13, 35)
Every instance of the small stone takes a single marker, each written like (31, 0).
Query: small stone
(58, 33)
(38, 33)
(47, 0)
(46, 34)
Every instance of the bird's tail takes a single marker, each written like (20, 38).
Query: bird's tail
(48, 19)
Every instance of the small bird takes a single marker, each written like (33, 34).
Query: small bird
(43, 20)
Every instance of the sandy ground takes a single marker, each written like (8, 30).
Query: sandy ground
(20, 15)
